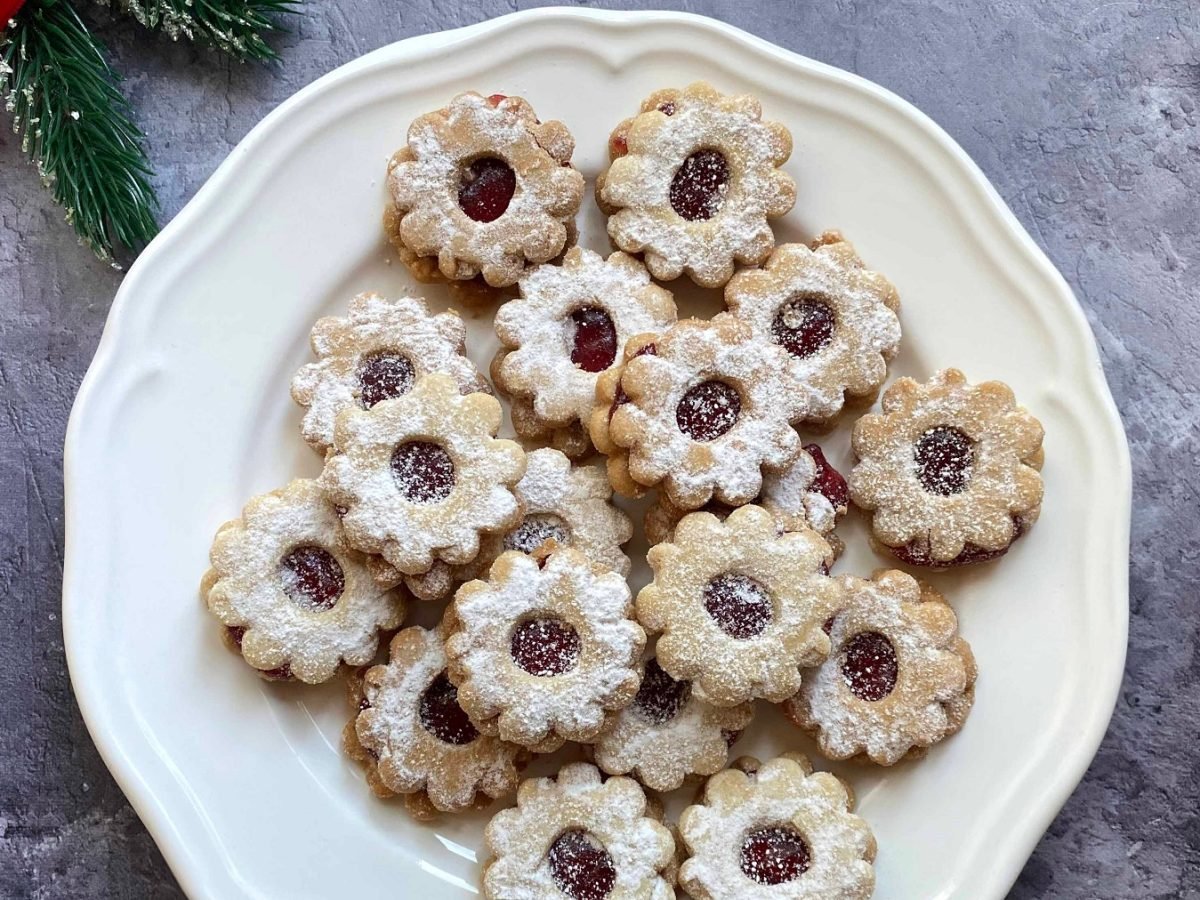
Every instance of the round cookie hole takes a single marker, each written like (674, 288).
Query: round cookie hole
(700, 184)
(594, 342)
(383, 376)
(486, 188)
(869, 666)
(944, 456)
(739, 605)
(545, 647)
(774, 855)
(423, 471)
(581, 866)
(312, 577)
(535, 530)
(661, 697)
(441, 715)
(803, 326)
(708, 410)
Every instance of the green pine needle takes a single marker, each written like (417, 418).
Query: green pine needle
(238, 27)
(76, 126)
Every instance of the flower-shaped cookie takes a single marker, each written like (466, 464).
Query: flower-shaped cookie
(781, 830)
(899, 677)
(695, 182)
(569, 325)
(570, 504)
(610, 395)
(707, 411)
(375, 353)
(667, 733)
(485, 188)
(578, 836)
(740, 605)
(809, 493)
(294, 598)
(421, 476)
(949, 470)
(545, 649)
(416, 740)
(836, 320)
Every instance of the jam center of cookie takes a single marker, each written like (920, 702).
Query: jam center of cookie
(535, 531)
(869, 666)
(384, 376)
(545, 647)
(581, 867)
(699, 186)
(944, 456)
(828, 482)
(803, 326)
(423, 472)
(739, 604)
(594, 345)
(441, 715)
(661, 697)
(312, 577)
(485, 189)
(774, 855)
(708, 410)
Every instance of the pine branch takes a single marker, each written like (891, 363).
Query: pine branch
(238, 27)
(76, 126)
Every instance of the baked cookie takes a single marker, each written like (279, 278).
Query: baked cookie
(296, 601)
(777, 824)
(694, 182)
(740, 606)
(899, 678)
(837, 320)
(707, 412)
(375, 353)
(545, 649)
(578, 836)
(571, 505)
(414, 738)
(610, 395)
(422, 476)
(483, 188)
(568, 327)
(668, 734)
(949, 470)
(809, 493)
(570, 440)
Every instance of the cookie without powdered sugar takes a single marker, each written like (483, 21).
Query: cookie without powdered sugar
(610, 395)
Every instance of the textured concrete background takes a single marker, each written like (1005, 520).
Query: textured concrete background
(1082, 113)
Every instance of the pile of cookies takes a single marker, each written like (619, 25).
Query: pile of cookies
(541, 641)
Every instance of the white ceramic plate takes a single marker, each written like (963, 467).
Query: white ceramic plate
(185, 414)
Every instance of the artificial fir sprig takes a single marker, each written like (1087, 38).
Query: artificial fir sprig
(237, 27)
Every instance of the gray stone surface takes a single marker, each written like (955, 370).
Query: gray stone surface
(1084, 116)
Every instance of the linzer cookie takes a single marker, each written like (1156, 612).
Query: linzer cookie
(376, 352)
(694, 182)
(739, 605)
(422, 476)
(668, 733)
(545, 649)
(295, 600)
(569, 326)
(483, 189)
(948, 470)
(899, 678)
(707, 412)
(836, 319)
(571, 505)
(778, 830)
(414, 738)
(578, 836)
(809, 493)
(609, 396)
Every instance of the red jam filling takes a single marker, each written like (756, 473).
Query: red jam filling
(384, 376)
(486, 188)
(535, 531)
(661, 697)
(944, 456)
(739, 604)
(708, 410)
(423, 471)
(441, 715)
(828, 482)
(698, 188)
(312, 577)
(869, 666)
(803, 326)
(545, 647)
(496, 99)
(581, 867)
(774, 855)
(594, 346)
(667, 107)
